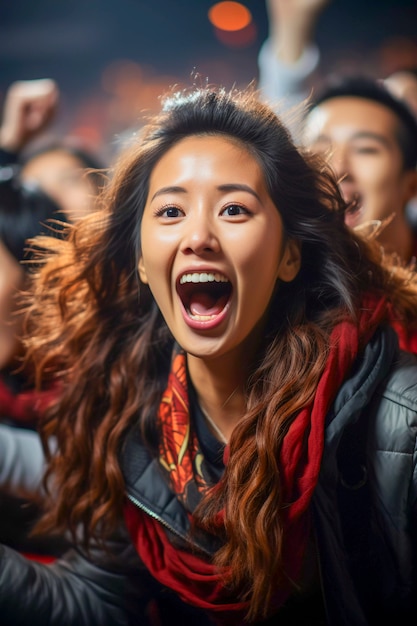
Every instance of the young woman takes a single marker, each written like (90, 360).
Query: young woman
(236, 436)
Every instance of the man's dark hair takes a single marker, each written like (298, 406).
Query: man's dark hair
(374, 90)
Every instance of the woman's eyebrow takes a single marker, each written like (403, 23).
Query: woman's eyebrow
(171, 189)
(225, 187)
(238, 187)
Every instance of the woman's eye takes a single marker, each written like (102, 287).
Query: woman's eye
(234, 209)
(169, 212)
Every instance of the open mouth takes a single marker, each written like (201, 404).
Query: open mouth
(204, 295)
(353, 210)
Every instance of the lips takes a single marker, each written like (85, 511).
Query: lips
(354, 209)
(204, 297)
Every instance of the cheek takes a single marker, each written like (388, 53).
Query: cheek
(263, 249)
(258, 265)
(376, 176)
(155, 273)
(158, 248)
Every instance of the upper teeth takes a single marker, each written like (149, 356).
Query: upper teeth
(203, 277)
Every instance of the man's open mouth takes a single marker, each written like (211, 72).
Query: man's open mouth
(204, 295)
(353, 210)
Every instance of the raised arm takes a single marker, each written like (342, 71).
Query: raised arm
(289, 57)
(28, 109)
(292, 26)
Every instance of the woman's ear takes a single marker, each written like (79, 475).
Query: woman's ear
(142, 272)
(291, 261)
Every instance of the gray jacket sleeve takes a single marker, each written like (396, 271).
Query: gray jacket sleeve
(105, 589)
(22, 462)
(286, 87)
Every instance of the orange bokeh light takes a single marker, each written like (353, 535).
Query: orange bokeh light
(229, 16)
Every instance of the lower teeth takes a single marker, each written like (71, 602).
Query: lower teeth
(201, 318)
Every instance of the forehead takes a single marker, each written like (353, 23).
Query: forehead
(205, 156)
(342, 117)
(51, 161)
(213, 142)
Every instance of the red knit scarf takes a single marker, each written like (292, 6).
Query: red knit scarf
(407, 337)
(194, 579)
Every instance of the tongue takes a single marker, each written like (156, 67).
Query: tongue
(203, 304)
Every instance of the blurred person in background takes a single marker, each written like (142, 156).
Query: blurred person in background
(26, 209)
(65, 170)
(289, 60)
(370, 139)
(368, 134)
(24, 213)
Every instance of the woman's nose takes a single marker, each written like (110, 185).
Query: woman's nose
(200, 235)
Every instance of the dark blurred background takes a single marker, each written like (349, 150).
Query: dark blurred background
(113, 58)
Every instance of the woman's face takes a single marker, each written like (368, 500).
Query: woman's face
(11, 280)
(213, 246)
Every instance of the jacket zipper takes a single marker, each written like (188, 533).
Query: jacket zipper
(160, 519)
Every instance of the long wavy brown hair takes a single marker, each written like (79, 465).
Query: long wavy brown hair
(95, 330)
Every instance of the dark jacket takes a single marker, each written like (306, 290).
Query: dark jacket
(364, 518)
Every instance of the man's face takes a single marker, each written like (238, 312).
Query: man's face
(360, 138)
